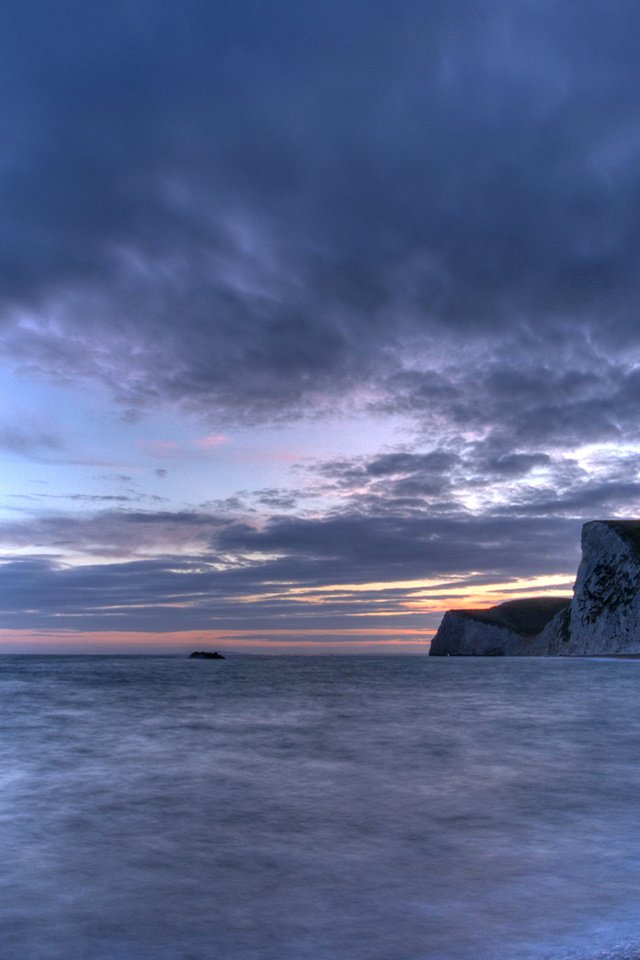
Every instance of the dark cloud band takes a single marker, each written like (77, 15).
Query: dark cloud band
(288, 195)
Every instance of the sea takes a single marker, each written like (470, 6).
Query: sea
(319, 808)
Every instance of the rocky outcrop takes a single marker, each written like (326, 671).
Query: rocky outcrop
(511, 629)
(205, 655)
(605, 611)
(603, 616)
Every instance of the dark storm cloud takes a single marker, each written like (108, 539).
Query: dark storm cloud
(274, 209)
(481, 481)
(237, 563)
(111, 533)
(163, 597)
(397, 464)
(517, 464)
(287, 195)
(530, 396)
(607, 498)
(353, 548)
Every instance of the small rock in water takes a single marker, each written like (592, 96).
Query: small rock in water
(205, 655)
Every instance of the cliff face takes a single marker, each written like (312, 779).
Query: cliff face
(603, 617)
(515, 628)
(462, 635)
(605, 612)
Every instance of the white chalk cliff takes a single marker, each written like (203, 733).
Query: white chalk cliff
(603, 616)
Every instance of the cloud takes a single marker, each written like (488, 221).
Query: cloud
(426, 211)
(28, 440)
(480, 479)
(524, 403)
(278, 576)
(112, 533)
(117, 477)
(93, 498)
(277, 499)
(257, 212)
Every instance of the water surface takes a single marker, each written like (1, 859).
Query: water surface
(336, 808)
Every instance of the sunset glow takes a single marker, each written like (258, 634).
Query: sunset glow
(283, 357)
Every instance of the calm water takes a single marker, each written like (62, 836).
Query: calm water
(320, 808)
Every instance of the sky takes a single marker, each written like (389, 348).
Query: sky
(316, 319)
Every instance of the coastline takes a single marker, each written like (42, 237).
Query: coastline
(608, 656)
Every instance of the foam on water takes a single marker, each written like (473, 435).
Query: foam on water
(338, 808)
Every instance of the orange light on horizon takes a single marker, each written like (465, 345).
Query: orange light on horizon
(179, 642)
(420, 596)
(408, 599)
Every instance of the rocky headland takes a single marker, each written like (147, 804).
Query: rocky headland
(602, 618)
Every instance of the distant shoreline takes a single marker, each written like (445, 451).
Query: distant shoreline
(609, 656)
